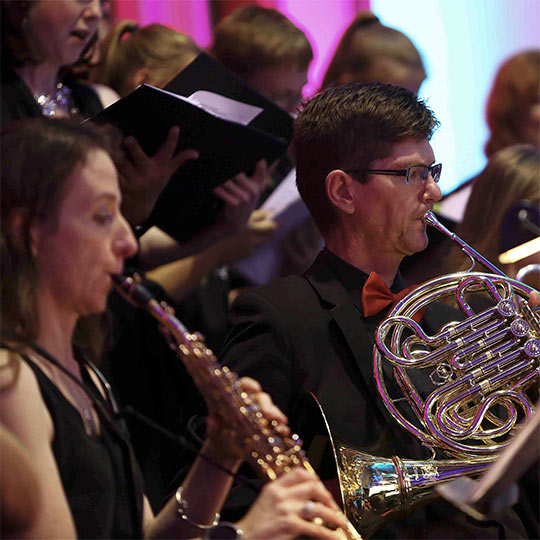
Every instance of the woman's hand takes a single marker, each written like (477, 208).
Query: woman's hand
(222, 442)
(259, 229)
(143, 178)
(295, 505)
(240, 195)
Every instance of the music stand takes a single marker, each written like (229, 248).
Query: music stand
(497, 488)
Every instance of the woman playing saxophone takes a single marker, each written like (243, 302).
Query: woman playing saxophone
(63, 241)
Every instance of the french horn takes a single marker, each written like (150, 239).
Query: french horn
(462, 391)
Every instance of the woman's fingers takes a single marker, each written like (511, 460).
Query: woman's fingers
(245, 189)
(241, 194)
(534, 299)
(234, 188)
(228, 193)
(314, 490)
(249, 385)
(136, 154)
(166, 154)
(313, 503)
(262, 399)
(183, 157)
(167, 149)
(289, 507)
(309, 529)
(253, 185)
(164, 162)
(267, 407)
(294, 477)
(320, 513)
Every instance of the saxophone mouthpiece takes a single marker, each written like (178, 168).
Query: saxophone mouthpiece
(118, 278)
(130, 288)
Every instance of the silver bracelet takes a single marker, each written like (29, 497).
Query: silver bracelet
(224, 529)
(183, 508)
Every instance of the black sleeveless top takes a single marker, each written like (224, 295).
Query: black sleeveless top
(103, 488)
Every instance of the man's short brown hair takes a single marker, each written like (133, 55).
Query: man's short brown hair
(253, 38)
(349, 127)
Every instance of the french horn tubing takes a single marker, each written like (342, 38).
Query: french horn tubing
(463, 391)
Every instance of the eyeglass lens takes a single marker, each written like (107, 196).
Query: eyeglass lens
(420, 173)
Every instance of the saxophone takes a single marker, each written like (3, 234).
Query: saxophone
(271, 454)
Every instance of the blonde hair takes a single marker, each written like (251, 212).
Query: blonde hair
(365, 45)
(511, 175)
(128, 48)
(253, 38)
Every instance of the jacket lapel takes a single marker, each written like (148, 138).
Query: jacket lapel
(349, 320)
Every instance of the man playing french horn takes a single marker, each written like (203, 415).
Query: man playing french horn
(367, 172)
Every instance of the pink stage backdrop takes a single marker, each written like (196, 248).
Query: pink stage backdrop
(191, 17)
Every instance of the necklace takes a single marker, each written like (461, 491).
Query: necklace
(82, 401)
(80, 396)
(61, 100)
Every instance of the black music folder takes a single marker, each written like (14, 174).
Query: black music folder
(231, 126)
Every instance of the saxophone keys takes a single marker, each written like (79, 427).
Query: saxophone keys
(167, 308)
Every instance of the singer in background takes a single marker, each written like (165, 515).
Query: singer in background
(491, 221)
(63, 238)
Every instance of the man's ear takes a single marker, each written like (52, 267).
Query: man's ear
(339, 190)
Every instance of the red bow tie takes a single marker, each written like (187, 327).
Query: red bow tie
(376, 296)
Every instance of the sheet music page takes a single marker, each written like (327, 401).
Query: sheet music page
(224, 107)
(285, 194)
(220, 106)
(497, 487)
(514, 460)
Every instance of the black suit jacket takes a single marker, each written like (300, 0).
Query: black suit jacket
(307, 334)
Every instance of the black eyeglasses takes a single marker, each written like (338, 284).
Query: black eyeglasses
(415, 174)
